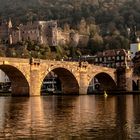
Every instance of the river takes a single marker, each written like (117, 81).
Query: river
(87, 117)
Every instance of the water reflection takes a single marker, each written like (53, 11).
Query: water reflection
(70, 117)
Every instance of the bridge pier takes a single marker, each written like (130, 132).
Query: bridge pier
(129, 85)
(83, 90)
(124, 79)
(83, 83)
(34, 82)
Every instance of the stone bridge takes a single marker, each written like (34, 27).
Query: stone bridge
(27, 75)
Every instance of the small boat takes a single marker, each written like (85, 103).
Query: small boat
(105, 94)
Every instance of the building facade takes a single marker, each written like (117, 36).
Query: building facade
(111, 58)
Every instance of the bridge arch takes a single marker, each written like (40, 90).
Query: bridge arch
(69, 82)
(101, 81)
(19, 83)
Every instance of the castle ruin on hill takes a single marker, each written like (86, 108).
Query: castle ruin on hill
(43, 32)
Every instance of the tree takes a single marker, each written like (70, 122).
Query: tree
(95, 43)
(2, 51)
(93, 29)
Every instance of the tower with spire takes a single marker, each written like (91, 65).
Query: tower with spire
(134, 42)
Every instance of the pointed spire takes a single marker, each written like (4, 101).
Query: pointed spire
(10, 23)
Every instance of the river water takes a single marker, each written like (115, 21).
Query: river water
(87, 117)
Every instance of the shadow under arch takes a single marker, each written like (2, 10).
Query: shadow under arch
(135, 85)
(102, 82)
(69, 84)
(19, 83)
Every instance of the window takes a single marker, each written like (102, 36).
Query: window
(109, 58)
(113, 57)
(118, 57)
(96, 59)
(122, 57)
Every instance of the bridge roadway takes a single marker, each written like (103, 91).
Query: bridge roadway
(27, 75)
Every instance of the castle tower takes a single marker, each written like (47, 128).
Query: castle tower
(135, 42)
(10, 31)
(52, 33)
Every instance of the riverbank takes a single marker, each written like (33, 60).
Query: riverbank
(115, 92)
(5, 93)
(93, 93)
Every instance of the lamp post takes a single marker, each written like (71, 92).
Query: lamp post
(30, 54)
(14, 54)
(31, 59)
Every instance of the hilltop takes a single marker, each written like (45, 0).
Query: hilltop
(72, 11)
(43, 8)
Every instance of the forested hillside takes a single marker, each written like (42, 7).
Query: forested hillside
(121, 12)
(105, 21)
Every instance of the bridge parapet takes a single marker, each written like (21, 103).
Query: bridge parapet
(14, 60)
(59, 62)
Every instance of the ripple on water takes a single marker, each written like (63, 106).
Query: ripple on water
(70, 118)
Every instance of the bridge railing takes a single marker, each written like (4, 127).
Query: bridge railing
(17, 60)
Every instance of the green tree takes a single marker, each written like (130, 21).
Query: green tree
(95, 43)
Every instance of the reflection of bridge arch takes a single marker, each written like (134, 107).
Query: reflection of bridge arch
(106, 81)
(19, 83)
(69, 83)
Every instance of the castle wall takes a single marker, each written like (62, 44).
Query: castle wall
(83, 40)
(29, 32)
(15, 36)
(63, 37)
